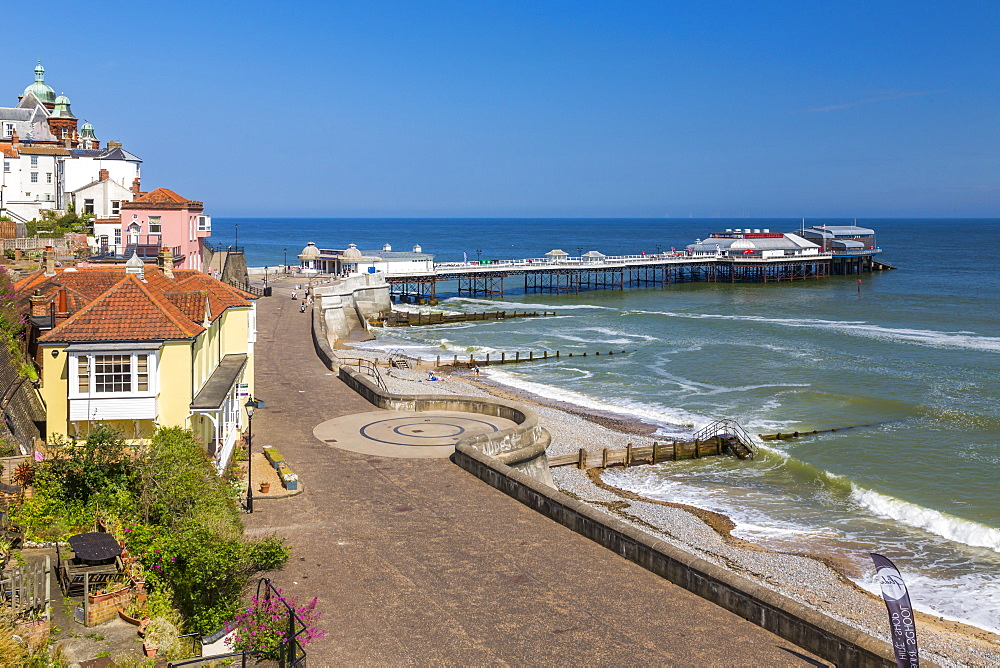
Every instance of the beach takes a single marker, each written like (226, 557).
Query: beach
(813, 581)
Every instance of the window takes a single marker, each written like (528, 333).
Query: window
(6, 165)
(112, 373)
(48, 177)
(116, 207)
(88, 206)
(34, 177)
(34, 161)
(118, 237)
(8, 129)
(154, 224)
(109, 374)
(204, 223)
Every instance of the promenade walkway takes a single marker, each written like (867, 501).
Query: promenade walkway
(417, 562)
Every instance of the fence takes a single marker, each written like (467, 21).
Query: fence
(26, 588)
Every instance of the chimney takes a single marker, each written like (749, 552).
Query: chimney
(39, 304)
(165, 261)
(62, 307)
(114, 144)
(135, 186)
(49, 256)
(103, 175)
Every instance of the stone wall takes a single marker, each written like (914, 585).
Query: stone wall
(521, 447)
(807, 628)
(347, 303)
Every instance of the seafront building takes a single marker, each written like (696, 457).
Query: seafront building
(352, 260)
(139, 347)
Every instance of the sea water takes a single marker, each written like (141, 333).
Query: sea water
(914, 353)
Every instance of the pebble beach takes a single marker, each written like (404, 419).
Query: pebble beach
(808, 580)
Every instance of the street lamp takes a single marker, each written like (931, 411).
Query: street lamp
(285, 251)
(265, 277)
(237, 244)
(479, 255)
(251, 406)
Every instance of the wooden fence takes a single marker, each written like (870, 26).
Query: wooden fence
(633, 455)
(10, 465)
(26, 588)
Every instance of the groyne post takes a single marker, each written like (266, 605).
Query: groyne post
(582, 462)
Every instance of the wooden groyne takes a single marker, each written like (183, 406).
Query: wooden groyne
(516, 357)
(407, 319)
(634, 455)
(784, 436)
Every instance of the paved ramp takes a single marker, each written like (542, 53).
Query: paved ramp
(415, 562)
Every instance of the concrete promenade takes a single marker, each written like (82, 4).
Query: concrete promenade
(417, 562)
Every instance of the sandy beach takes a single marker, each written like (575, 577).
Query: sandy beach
(811, 580)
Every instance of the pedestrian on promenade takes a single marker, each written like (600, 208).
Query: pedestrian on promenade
(302, 307)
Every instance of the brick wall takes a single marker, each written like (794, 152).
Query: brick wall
(104, 607)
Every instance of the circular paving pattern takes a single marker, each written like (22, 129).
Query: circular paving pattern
(404, 434)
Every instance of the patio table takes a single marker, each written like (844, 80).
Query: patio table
(95, 546)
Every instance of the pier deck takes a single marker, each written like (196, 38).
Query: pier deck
(493, 278)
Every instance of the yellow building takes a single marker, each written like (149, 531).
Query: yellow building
(140, 347)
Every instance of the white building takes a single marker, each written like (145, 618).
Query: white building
(752, 243)
(46, 159)
(351, 260)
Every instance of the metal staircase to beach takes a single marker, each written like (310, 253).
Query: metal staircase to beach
(735, 437)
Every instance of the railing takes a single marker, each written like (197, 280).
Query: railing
(290, 652)
(223, 248)
(366, 367)
(745, 447)
(252, 289)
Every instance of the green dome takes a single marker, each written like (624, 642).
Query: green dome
(62, 109)
(87, 131)
(40, 89)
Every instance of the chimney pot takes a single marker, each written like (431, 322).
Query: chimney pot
(50, 261)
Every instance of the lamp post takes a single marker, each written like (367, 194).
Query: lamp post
(251, 406)
(479, 255)
(285, 251)
(237, 245)
(265, 277)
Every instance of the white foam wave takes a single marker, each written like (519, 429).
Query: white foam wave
(616, 332)
(667, 418)
(928, 519)
(924, 337)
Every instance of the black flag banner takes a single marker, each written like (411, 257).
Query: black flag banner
(897, 600)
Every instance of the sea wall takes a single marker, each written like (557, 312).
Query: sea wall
(347, 303)
(824, 636)
(521, 447)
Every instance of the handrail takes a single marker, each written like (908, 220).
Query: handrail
(246, 287)
(731, 428)
(367, 367)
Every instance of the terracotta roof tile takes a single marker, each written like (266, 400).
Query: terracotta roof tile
(106, 304)
(162, 198)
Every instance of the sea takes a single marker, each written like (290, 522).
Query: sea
(911, 354)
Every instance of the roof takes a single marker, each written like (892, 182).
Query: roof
(217, 387)
(832, 231)
(26, 149)
(117, 153)
(162, 198)
(389, 256)
(106, 304)
(784, 242)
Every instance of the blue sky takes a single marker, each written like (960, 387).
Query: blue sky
(541, 108)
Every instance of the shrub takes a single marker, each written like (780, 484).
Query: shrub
(263, 626)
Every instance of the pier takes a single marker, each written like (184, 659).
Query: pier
(491, 279)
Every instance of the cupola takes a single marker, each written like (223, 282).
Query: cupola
(62, 109)
(40, 89)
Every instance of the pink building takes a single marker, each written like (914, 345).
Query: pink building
(160, 219)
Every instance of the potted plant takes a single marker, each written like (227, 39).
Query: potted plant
(161, 635)
(265, 487)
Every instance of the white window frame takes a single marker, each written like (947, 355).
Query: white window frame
(34, 177)
(155, 224)
(152, 381)
(204, 223)
(34, 161)
(116, 207)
